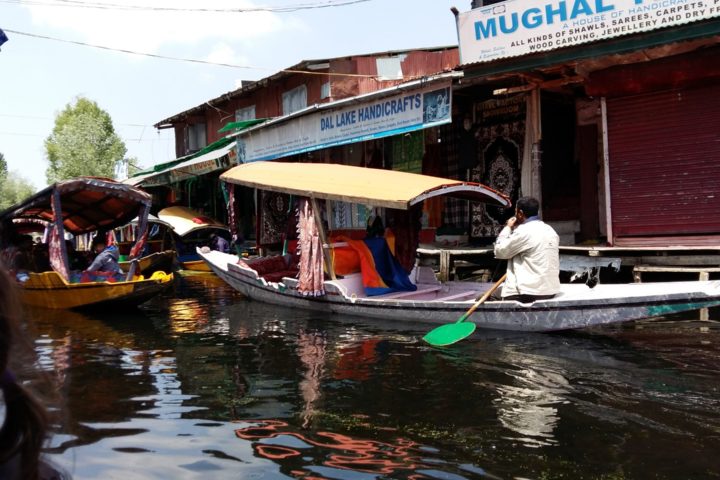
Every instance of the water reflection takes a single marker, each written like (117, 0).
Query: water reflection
(527, 405)
(201, 382)
(325, 453)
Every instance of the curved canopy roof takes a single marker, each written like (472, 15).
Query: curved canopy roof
(184, 220)
(372, 186)
(88, 204)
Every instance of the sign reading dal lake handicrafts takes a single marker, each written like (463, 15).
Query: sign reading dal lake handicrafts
(518, 27)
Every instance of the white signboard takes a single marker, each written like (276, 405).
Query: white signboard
(519, 27)
(381, 117)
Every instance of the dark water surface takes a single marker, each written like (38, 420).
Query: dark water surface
(205, 384)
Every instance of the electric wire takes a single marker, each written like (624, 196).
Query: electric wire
(115, 6)
(180, 59)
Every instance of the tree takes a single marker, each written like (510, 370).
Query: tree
(13, 189)
(83, 142)
(3, 168)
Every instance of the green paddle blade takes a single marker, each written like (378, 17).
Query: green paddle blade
(449, 334)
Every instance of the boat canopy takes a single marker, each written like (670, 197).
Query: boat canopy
(184, 220)
(370, 186)
(88, 204)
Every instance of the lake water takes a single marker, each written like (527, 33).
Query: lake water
(205, 384)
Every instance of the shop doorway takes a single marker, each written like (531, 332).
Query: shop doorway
(560, 174)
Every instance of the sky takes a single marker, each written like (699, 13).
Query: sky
(39, 77)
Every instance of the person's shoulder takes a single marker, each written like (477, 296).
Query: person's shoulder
(48, 470)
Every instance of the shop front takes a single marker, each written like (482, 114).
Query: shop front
(397, 129)
(606, 111)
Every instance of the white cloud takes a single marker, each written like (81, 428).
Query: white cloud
(148, 30)
(224, 53)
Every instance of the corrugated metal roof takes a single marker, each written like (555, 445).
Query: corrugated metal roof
(283, 73)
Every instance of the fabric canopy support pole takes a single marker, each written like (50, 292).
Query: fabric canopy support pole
(141, 233)
(57, 248)
(323, 238)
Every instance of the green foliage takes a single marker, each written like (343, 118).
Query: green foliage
(3, 168)
(133, 166)
(83, 142)
(13, 189)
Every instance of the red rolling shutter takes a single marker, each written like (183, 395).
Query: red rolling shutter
(664, 154)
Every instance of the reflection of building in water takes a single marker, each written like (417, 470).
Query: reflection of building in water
(527, 405)
(333, 455)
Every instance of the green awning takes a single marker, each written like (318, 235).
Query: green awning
(241, 125)
(142, 177)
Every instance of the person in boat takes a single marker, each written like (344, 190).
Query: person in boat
(217, 242)
(107, 257)
(75, 259)
(532, 249)
(24, 423)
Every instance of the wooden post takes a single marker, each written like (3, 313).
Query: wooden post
(704, 312)
(323, 238)
(444, 273)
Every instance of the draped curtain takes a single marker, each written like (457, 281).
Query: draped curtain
(311, 276)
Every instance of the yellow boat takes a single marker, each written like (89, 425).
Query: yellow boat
(192, 230)
(79, 206)
(50, 290)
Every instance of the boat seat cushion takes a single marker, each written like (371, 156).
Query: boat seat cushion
(277, 276)
(274, 268)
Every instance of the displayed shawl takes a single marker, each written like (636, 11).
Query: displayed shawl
(311, 276)
(381, 271)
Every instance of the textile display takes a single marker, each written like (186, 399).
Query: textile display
(381, 272)
(274, 215)
(456, 210)
(434, 166)
(500, 144)
(232, 212)
(405, 228)
(141, 234)
(57, 249)
(311, 275)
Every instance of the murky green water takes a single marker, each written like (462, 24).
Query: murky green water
(204, 384)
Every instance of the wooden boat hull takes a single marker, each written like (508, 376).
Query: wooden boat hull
(577, 306)
(49, 290)
(196, 266)
(155, 262)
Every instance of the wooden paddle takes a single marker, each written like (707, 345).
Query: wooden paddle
(454, 332)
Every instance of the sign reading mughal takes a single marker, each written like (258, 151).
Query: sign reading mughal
(381, 117)
(519, 27)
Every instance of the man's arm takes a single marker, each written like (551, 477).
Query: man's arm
(98, 263)
(509, 243)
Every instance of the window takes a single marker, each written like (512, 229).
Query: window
(247, 113)
(196, 137)
(294, 100)
(390, 68)
(325, 90)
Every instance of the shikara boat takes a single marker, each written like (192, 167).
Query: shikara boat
(159, 255)
(191, 230)
(79, 206)
(430, 301)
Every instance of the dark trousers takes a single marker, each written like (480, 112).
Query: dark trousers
(527, 298)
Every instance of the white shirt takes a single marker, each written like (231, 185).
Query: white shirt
(533, 255)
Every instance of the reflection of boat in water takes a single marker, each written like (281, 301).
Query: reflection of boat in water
(419, 298)
(191, 230)
(80, 206)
